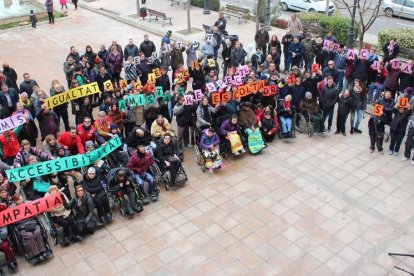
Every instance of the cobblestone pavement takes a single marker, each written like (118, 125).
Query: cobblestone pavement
(306, 206)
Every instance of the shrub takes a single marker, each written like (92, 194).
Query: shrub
(214, 4)
(339, 25)
(404, 38)
(279, 23)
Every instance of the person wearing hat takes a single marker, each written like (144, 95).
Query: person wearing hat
(62, 215)
(311, 108)
(398, 127)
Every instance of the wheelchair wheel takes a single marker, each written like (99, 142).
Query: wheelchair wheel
(299, 122)
(166, 178)
(197, 155)
(156, 172)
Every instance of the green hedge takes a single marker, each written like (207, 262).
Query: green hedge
(339, 25)
(404, 38)
(214, 4)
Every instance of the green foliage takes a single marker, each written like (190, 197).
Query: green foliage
(404, 37)
(339, 25)
(214, 4)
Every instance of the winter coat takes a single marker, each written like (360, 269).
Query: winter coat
(147, 47)
(48, 122)
(165, 57)
(201, 116)
(388, 107)
(177, 57)
(391, 81)
(158, 132)
(400, 120)
(164, 82)
(206, 141)
(89, 134)
(94, 186)
(114, 62)
(296, 48)
(345, 105)
(85, 210)
(227, 126)
(311, 107)
(261, 38)
(49, 5)
(140, 165)
(130, 51)
(74, 144)
(183, 114)
(360, 99)
(247, 118)
(237, 56)
(329, 96)
(191, 54)
(21, 156)
(298, 93)
(331, 72)
(361, 70)
(10, 145)
(133, 140)
(117, 117)
(164, 151)
(103, 127)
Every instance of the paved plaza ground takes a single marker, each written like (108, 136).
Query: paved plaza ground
(306, 206)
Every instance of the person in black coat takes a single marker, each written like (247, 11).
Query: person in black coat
(390, 50)
(167, 155)
(226, 56)
(147, 47)
(28, 132)
(199, 80)
(164, 80)
(345, 105)
(92, 184)
(102, 77)
(398, 126)
(310, 83)
(12, 75)
(85, 215)
(8, 100)
(139, 136)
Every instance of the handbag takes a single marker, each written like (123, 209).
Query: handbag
(40, 186)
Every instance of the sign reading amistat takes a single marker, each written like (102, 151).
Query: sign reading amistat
(63, 164)
(75, 93)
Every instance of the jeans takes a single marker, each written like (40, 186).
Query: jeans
(346, 83)
(308, 63)
(285, 123)
(215, 50)
(341, 76)
(372, 87)
(150, 179)
(359, 113)
(287, 61)
(396, 139)
(329, 111)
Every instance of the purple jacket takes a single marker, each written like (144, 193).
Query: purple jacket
(227, 126)
(206, 141)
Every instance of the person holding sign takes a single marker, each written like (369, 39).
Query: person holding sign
(378, 82)
(29, 230)
(165, 55)
(237, 55)
(391, 81)
(398, 126)
(176, 57)
(391, 50)
(198, 77)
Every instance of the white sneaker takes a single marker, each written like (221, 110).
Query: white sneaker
(395, 153)
(404, 158)
(390, 152)
(236, 153)
(243, 151)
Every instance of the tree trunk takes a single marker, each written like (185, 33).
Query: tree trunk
(188, 16)
(259, 3)
(138, 7)
(361, 39)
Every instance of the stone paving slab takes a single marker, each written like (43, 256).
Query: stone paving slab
(305, 206)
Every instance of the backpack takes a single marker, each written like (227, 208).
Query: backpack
(129, 116)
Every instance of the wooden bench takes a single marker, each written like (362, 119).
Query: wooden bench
(156, 14)
(236, 11)
(178, 2)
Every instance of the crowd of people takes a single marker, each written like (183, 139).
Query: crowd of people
(316, 80)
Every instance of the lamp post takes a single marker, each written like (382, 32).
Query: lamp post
(206, 7)
(351, 28)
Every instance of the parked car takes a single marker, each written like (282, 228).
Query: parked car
(401, 8)
(307, 6)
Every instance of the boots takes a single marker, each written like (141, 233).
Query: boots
(352, 130)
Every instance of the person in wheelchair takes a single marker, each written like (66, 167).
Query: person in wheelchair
(62, 216)
(36, 187)
(85, 216)
(92, 184)
(122, 183)
(285, 111)
(160, 127)
(139, 136)
(268, 123)
(30, 230)
(27, 150)
(5, 247)
(247, 119)
(100, 163)
(140, 163)
(210, 143)
(230, 129)
(5, 202)
(168, 158)
(309, 107)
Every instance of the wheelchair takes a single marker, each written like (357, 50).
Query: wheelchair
(295, 123)
(20, 245)
(199, 157)
(115, 199)
(162, 177)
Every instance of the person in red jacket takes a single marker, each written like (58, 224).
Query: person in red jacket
(87, 132)
(140, 163)
(71, 141)
(10, 145)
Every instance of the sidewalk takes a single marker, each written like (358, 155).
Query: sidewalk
(126, 12)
